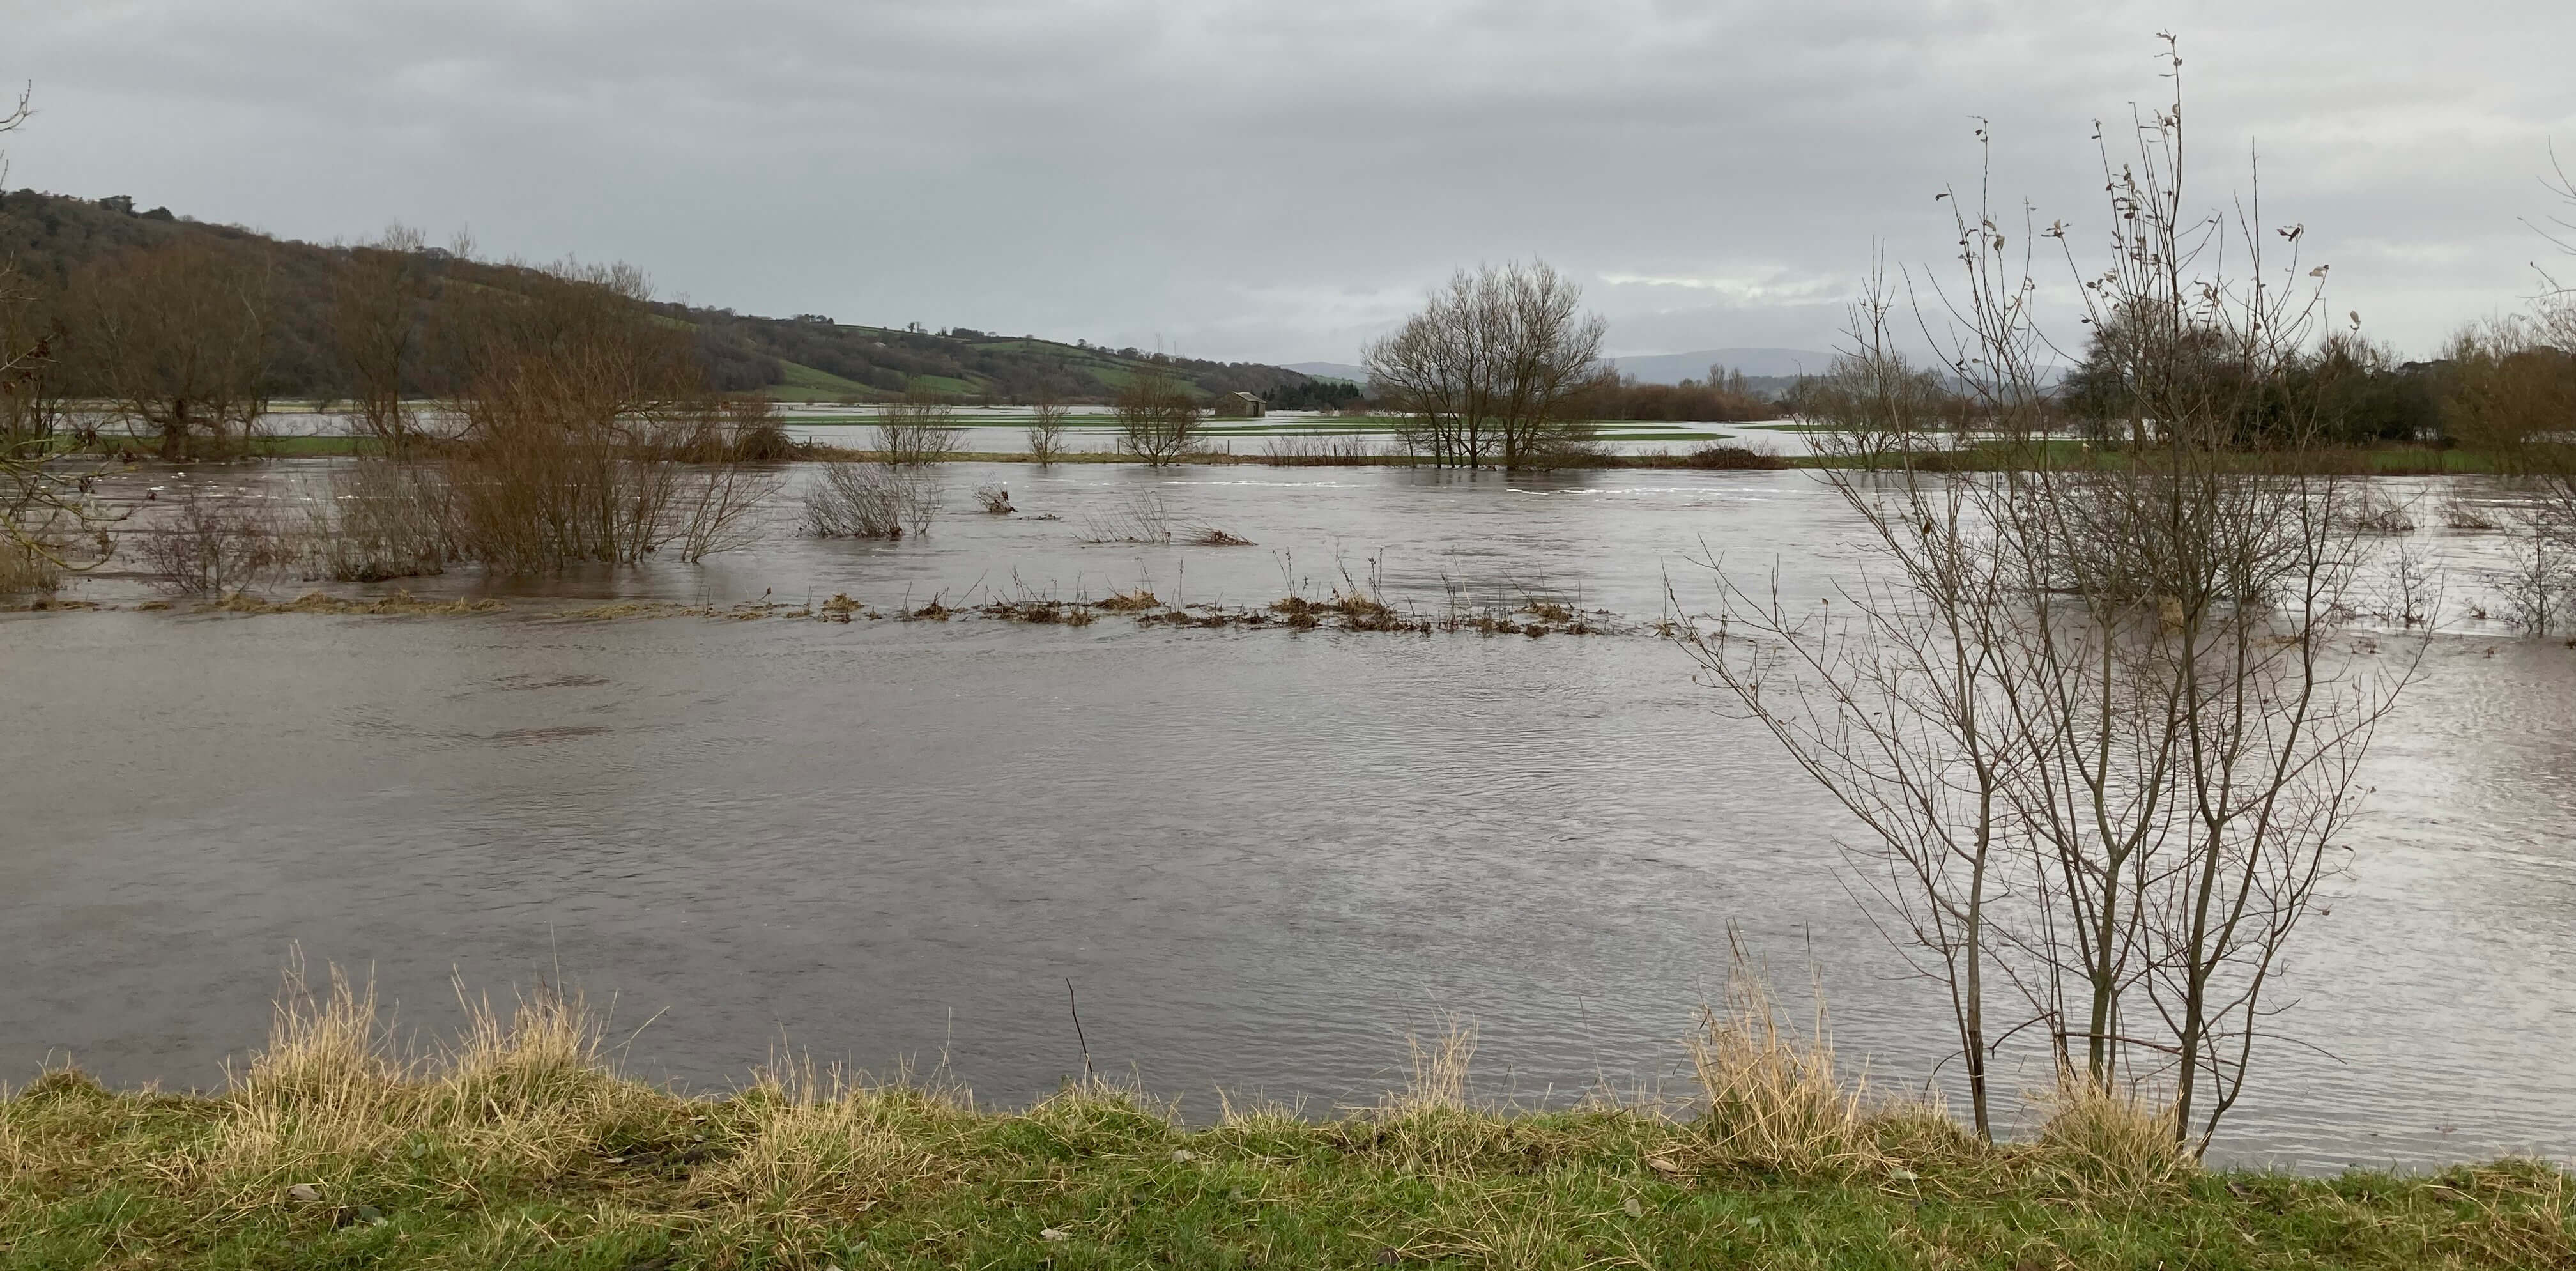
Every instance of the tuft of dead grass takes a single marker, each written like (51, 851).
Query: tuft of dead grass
(2111, 1139)
(1775, 1100)
(1137, 601)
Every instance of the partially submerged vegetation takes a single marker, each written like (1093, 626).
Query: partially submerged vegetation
(520, 1144)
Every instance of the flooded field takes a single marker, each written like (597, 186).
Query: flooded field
(1260, 856)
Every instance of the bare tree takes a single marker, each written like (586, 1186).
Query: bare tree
(2093, 714)
(1158, 419)
(176, 338)
(2511, 392)
(1046, 429)
(47, 526)
(378, 291)
(1878, 404)
(919, 428)
(1489, 367)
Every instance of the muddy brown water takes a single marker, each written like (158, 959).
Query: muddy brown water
(1260, 856)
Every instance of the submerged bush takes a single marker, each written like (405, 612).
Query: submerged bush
(850, 499)
(588, 432)
(382, 519)
(210, 544)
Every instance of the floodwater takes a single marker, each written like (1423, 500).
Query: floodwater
(1260, 857)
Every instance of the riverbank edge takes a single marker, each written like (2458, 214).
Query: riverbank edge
(528, 1153)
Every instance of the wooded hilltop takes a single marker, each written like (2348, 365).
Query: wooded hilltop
(66, 247)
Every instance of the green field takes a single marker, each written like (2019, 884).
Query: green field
(804, 383)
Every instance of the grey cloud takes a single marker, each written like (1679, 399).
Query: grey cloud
(1276, 180)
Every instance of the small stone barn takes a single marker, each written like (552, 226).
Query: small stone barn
(1240, 406)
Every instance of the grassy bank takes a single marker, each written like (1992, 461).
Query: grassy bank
(519, 1147)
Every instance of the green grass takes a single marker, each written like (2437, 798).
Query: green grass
(517, 1146)
(802, 383)
(620, 1177)
(306, 447)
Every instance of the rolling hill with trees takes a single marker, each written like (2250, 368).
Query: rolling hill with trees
(63, 247)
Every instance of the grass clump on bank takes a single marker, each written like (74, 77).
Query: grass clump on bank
(520, 1145)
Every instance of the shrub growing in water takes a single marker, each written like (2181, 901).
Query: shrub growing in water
(868, 500)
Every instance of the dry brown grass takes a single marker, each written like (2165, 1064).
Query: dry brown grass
(1775, 1100)
(2114, 1140)
(1137, 601)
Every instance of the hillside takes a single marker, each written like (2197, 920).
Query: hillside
(823, 360)
(50, 238)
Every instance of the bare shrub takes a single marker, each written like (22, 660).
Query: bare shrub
(995, 500)
(2459, 512)
(2371, 510)
(1318, 450)
(27, 563)
(581, 415)
(2096, 718)
(1728, 458)
(2538, 582)
(918, 429)
(1046, 430)
(850, 499)
(741, 428)
(211, 544)
(1138, 518)
(383, 518)
(2411, 587)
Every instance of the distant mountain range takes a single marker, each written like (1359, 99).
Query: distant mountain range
(1650, 368)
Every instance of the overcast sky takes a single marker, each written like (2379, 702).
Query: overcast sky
(1280, 179)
